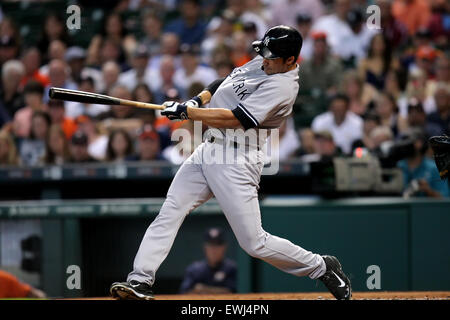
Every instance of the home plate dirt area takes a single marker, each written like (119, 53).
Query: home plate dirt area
(379, 295)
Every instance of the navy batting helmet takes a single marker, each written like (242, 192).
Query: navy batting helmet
(279, 42)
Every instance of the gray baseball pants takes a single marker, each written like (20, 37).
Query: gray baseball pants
(235, 187)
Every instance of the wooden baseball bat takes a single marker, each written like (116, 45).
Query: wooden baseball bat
(95, 98)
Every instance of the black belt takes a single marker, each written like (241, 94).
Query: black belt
(235, 145)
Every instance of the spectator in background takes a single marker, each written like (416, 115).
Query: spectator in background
(324, 146)
(79, 148)
(416, 87)
(335, 25)
(56, 50)
(9, 49)
(441, 117)
(386, 108)
(253, 13)
(374, 68)
(284, 12)
(221, 54)
(422, 170)
(417, 118)
(76, 109)
(344, 125)
(142, 93)
(288, 141)
(240, 49)
(192, 71)
(306, 142)
(11, 287)
(170, 45)
(33, 92)
(124, 117)
(110, 76)
(148, 145)
(425, 58)
(379, 135)
(8, 150)
(224, 68)
(353, 46)
(443, 69)
(139, 72)
(9, 30)
(11, 98)
(319, 78)
(394, 31)
(31, 60)
(112, 43)
(219, 33)
(250, 31)
(438, 25)
(394, 85)
(76, 59)
(304, 24)
(190, 28)
(32, 148)
(57, 114)
(111, 51)
(57, 147)
(422, 38)
(216, 273)
(412, 13)
(152, 28)
(97, 141)
(59, 73)
(359, 92)
(120, 146)
(54, 29)
(371, 121)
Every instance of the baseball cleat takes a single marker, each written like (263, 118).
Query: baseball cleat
(132, 290)
(335, 279)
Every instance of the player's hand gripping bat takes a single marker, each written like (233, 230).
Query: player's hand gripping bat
(94, 98)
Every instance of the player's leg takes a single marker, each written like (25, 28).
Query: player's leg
(235, 188)
(187, 191)
(236, 191)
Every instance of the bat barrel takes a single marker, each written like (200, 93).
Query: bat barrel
(81, 96)
(94, 98)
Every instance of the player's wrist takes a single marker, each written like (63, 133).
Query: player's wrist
(196, 102)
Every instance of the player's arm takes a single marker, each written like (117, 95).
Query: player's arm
(214, 117)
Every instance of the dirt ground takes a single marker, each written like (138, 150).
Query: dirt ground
(380, 295)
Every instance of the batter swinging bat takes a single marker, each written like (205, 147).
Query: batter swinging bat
(94, 98)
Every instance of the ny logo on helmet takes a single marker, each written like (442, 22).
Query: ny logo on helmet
(266, 41)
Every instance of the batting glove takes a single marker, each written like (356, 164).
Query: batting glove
(174, 110)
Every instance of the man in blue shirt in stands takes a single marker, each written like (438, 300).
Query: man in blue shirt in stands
(190, 28)
(215, 274)
(421, 171)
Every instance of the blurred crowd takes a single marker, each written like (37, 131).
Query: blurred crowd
(361, 85)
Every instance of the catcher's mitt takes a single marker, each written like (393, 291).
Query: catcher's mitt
(441, 149)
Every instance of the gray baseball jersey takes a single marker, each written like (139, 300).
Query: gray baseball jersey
(257, 100)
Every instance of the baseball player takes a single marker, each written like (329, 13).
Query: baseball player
(257, 96)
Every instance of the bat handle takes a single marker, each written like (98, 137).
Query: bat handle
(138, 104)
